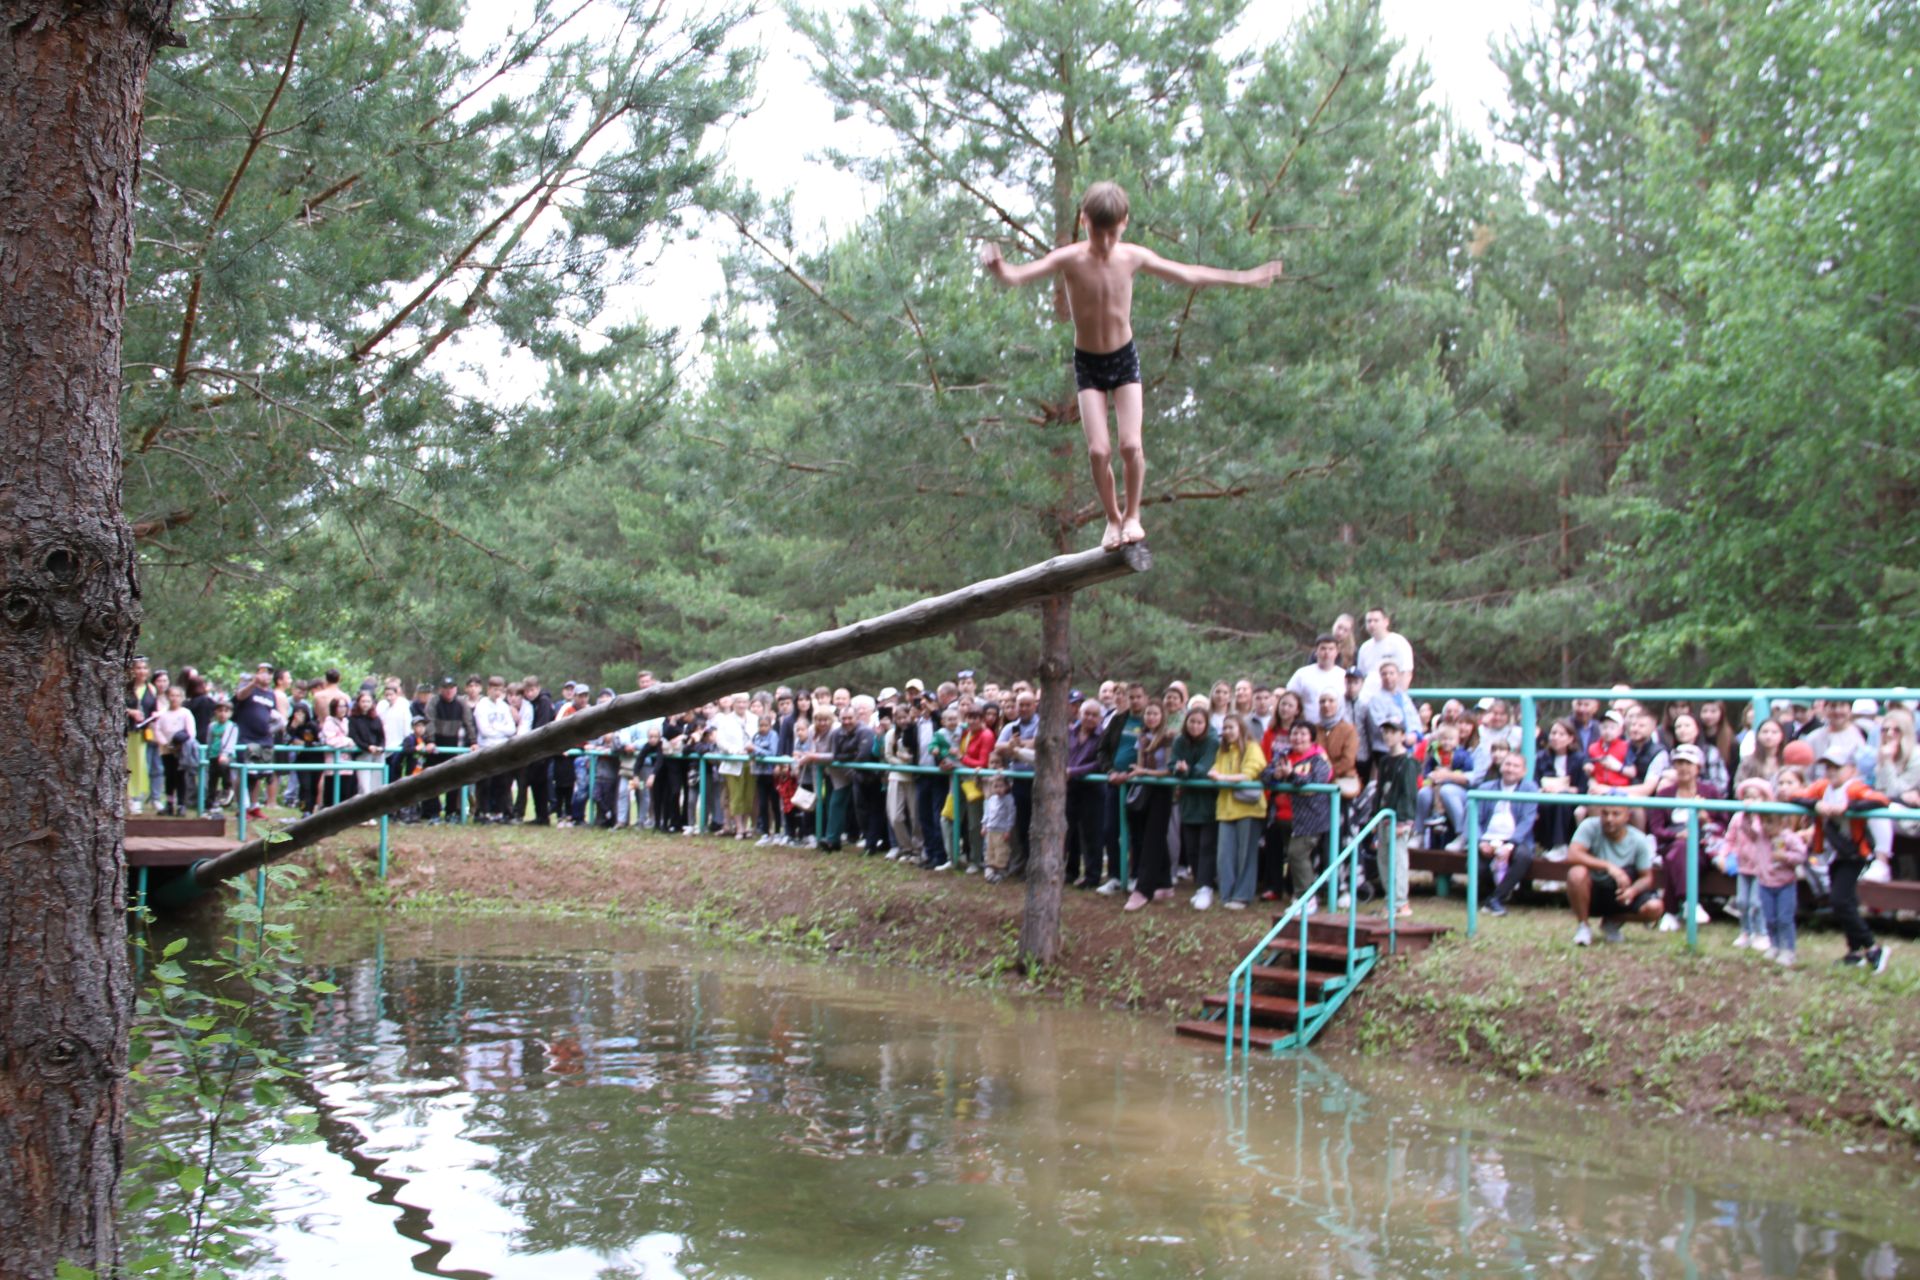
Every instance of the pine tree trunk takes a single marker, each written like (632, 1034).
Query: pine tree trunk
(1047, 854)
(72, 77)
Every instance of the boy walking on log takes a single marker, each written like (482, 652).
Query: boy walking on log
(1099, 272)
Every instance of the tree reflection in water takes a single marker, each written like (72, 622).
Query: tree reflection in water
(572, 1100)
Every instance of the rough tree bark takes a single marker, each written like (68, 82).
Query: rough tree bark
(1047, 856)
(72, 77)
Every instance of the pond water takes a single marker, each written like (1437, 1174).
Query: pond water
(523, 1097)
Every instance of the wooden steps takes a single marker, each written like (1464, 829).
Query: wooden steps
(1262, 1037)
(1278, 1020)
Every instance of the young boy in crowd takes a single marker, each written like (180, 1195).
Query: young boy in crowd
(996, 823)
(1098, 273)
(1607, 766)
(1398, 776)
(223, 739)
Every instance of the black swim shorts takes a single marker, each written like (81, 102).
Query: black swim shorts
(1105, 372)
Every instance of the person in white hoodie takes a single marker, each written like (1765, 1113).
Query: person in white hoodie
(495, 722)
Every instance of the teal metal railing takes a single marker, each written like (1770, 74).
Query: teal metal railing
(1694, 807)
(1308, 1019)
(1529, 699)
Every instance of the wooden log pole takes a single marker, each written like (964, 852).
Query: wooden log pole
(1062, 575)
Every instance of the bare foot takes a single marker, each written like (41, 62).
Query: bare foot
(1132, 532)
(1111, 539)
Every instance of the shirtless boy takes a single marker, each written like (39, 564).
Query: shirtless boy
(1099, 275)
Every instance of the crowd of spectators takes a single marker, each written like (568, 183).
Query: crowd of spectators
(1193, 772)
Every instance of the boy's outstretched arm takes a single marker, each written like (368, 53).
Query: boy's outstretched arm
(1026, 273)
(1197, 277)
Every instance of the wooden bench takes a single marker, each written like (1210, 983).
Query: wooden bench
(1895, 895)
(1445, 864)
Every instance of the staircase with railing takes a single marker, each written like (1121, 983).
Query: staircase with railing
(1297, 976)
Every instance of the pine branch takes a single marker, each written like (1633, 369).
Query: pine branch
(1253, 223)
(788, 267)
(220, 211)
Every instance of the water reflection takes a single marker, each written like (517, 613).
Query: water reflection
(526, 1098)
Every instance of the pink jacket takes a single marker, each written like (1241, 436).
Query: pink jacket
(1788, 853)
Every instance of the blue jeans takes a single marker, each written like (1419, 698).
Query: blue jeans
(1453, 803)
(1777, 905)
(1238, 857)
(1746, 900)
(580, 797)
(929, 797)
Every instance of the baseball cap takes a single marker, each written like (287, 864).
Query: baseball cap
(1688, 752)
(420, 720)
(448, 682)
(422, 688)
(1836, 753)
(1865, 707)
(965, 675)
(915, 685)
(1325, 637)
(1614, 716)
(1354, 673)
(1485, 704)
(606, 693)
(1074, 695)
(1391, 723)
(889, 692)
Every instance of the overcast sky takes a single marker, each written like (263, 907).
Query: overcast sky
(779, 145)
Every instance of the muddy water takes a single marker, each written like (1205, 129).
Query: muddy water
(545, 1099)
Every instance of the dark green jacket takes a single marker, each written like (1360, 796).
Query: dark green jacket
(1196, 803)
(1399, 778)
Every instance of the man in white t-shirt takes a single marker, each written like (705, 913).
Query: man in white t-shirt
(1382, 644)
(1323, 676)
(396, 722)
(495, 722)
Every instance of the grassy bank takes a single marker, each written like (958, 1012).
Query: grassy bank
(1719, 1034)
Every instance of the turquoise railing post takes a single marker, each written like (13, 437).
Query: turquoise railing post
(383, 847)
(1393, 860)
(1333, 849)
(700, 808)
(1529, 711)
(1126, 830)
(1693, 879)
(953, 802)
(240, 768)
(1473, 865)
(593, 787)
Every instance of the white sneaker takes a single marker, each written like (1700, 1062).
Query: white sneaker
(1456, 845)
(1610, 931)
(1346, 900)
(1785, 959)
(1203, 898)
(1231, 905)
(1701, 915)
(1313, 905)
(1583, 936)
(1183, 873)
(972, 870)
(1669, 923)
(1111, 886)
(1743, 942)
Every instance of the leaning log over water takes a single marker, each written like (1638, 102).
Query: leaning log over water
(1058, 576)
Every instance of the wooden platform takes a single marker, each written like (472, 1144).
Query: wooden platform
(175, 842)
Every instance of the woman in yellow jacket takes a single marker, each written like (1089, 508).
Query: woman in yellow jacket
(1240, 807)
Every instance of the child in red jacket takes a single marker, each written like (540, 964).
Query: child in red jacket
(1607, 765)
(1832, 798)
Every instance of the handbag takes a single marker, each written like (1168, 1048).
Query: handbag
(1136, 797)
(970, 791)
(1252, 793)
(803, 800)
(1349, 786)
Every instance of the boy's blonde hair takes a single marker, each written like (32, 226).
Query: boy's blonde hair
(1104, 206)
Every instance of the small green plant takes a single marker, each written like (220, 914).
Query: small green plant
(210, 1092)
